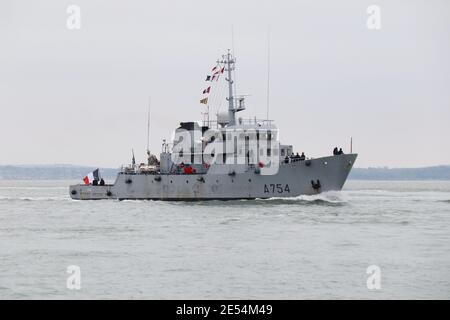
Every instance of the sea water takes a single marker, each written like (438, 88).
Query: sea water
(325, 246)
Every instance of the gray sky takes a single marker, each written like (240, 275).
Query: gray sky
(81, 96)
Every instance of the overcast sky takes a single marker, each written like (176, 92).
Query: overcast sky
(81, 96)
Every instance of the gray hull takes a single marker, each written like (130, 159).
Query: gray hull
(292, 179)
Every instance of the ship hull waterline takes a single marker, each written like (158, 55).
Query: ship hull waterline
(293, 179)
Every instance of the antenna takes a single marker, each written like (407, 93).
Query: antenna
(351, 144)
(148, 124)
(268, 73)
(148, 129)
(234, 55)
(232, 40)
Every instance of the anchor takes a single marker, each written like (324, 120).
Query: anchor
(316, 185)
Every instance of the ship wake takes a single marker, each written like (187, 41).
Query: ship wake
(328, 198)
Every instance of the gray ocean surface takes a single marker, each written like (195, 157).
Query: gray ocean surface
(302, 248)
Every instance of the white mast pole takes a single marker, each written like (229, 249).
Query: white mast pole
(231, 111)
(148, 130)
(351, 144)
(268, 75)
(234, 55)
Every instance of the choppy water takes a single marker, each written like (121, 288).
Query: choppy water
(307, 247)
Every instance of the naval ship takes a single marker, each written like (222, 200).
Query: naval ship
(223, 159)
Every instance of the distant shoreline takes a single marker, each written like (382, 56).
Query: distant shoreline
(406, 174)
(69, 172)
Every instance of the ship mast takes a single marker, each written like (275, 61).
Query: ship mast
(229, 61)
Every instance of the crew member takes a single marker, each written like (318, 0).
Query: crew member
(292, 157)
(302, 157)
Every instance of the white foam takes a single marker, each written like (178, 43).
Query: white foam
(329, 196)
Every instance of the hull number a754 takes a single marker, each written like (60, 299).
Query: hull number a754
(276, 188)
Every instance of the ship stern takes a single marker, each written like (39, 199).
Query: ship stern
(90, 192)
